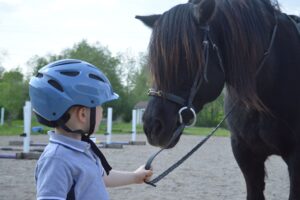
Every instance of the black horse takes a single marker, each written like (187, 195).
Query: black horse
(255, 53)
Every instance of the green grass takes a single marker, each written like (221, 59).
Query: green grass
(16, 128)
(205, 131)
(120, 128)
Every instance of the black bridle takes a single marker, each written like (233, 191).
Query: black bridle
(188, 104)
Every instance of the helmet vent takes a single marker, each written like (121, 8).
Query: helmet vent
(39, 75)
(70, 73)
(93, 76)
(65, 62)
(56, 85)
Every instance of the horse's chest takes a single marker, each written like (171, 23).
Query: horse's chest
(261, 134)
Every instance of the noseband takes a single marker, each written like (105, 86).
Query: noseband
(187, 104)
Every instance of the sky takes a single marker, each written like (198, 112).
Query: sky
(41, 27)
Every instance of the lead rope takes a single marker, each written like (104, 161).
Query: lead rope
(185, 157)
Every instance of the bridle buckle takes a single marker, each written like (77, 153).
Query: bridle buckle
(153, 92)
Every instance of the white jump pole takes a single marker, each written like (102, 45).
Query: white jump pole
(109, 126)
(133, 135)
(139, 117)
(27, 126)
(2, 117)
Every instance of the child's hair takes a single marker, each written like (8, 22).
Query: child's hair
(65, 83)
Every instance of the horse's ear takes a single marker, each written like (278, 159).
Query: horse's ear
(204, 10)
(148, 20)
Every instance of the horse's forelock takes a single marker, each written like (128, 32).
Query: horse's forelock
(174, 44)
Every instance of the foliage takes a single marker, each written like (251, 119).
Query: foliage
(3, 54)
(37, 62)
(212, 113)
(13, 93)
(1, 71)
(137, 84)
(141, 81)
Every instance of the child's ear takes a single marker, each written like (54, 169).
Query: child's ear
(81, 113)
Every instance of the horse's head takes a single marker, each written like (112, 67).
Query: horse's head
(181, 57)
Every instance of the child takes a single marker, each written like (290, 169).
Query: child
(68, 95)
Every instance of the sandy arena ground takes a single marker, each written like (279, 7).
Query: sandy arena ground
(210, 174)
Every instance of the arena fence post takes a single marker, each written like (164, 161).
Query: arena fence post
(27, 126)
(2, 117)
(109, 126)
(133, 135)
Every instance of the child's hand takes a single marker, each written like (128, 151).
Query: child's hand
(141, 174)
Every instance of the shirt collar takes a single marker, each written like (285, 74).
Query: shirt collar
(68, 142)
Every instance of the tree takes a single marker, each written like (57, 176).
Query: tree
(14, 92)
(141, 82)
(131, 73)
(1, 71)
(212, 113)
(37, 62)
(3, 54)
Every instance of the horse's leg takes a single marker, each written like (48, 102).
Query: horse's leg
(252, 166)
(293, 162)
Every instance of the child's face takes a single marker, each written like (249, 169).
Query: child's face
(99, 111)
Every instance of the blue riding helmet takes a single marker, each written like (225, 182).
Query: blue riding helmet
(65, 83)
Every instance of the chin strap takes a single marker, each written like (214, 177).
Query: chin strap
(86, 137)
(100, 155)
(92, 121)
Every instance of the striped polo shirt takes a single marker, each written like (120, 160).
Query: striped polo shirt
(68, 164)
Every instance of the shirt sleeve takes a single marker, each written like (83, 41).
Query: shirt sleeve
(53, 179)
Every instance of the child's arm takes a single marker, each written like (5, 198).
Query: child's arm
(121, 178)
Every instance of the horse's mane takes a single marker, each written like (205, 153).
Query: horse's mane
(245, 26)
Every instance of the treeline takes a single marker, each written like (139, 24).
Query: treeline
(128, 75)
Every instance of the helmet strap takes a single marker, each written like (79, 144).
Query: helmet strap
(92, 121)
(62, 123)
(94, 147)
(66, 128)
(85, 137)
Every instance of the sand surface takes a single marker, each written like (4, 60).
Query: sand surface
(210, 174)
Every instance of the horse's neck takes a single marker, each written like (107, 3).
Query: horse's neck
(248, 62)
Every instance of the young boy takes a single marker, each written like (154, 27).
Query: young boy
(67, 95)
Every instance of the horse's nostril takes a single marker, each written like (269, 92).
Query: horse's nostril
(157, 127)
(153, 128)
